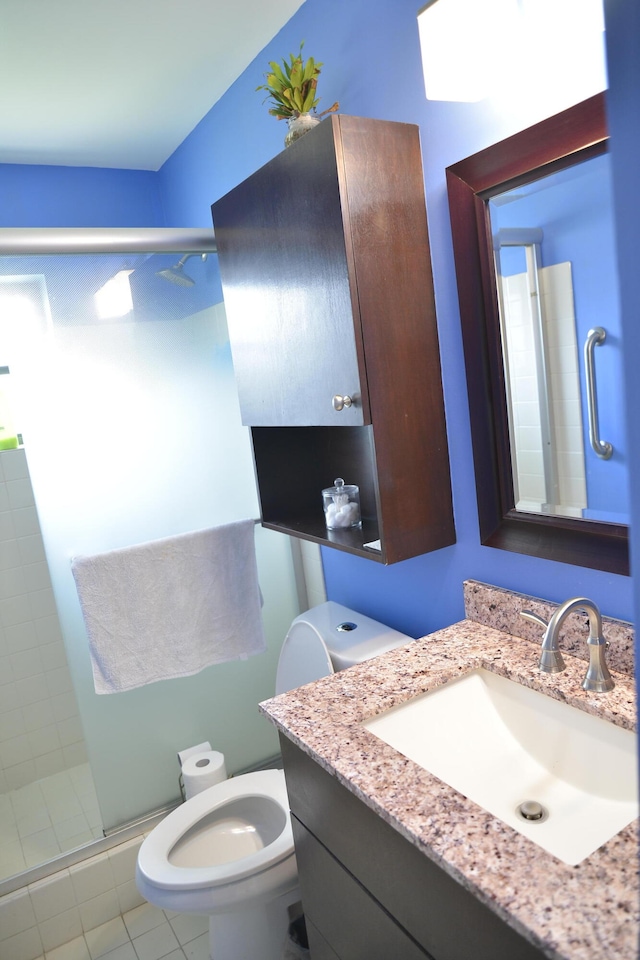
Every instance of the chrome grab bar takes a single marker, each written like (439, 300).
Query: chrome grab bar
(602, 448)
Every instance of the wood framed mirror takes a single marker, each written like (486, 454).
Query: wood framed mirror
(519, 165)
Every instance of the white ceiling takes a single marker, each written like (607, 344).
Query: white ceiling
(120, 83)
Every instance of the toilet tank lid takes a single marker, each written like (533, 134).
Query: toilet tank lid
(331, 637)
(352, 637)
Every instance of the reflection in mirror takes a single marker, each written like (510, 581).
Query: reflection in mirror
(533, 242)
(555, 271)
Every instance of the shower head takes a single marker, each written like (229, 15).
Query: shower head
(176, 274)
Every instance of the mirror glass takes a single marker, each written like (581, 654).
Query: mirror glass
(533, 239)
(556, 281)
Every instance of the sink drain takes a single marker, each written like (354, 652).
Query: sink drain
(532, 811)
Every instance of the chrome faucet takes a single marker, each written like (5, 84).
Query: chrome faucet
(597, 678)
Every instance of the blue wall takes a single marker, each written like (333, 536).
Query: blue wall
(46, 196)
(623, 54)
(372, 66)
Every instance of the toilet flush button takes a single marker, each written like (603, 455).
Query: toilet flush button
(347, 627)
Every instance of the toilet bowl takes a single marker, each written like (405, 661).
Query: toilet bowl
(231, 842)
(228, 851)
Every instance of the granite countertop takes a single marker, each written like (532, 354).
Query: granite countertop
(584, 912)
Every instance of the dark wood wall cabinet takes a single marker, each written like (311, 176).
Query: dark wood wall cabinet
(369, 894)
(326, 274)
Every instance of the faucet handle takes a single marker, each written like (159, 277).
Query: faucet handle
(534, 618)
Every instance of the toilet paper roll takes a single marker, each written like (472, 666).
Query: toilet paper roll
(203, 770)
(189, 751)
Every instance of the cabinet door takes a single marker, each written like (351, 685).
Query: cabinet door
(287, 289)
(350, 921)
(432, 908)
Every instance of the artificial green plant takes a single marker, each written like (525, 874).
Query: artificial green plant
(291, 88)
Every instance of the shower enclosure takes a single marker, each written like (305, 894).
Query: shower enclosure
(130, 431)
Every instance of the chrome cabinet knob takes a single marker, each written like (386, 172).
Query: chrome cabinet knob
(339, 403)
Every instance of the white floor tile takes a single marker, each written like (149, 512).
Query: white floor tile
(188, 926)
(70, 827)
(8, 830)
(27, 799)
(61, 810)
(197, 949)
(12, 859)
(156, 943)
(74, 950)
(33, 822)
(125, 952)
(39, 847)
(142, 919)
(107, 937)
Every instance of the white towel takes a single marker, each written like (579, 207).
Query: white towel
(172, 607)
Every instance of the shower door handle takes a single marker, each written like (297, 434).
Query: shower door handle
(602, 448)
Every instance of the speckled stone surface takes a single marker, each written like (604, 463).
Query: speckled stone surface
(500, 608)
(587, 912)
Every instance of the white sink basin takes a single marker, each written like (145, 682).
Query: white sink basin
(499, 744)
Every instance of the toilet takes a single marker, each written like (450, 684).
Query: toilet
(228, 851)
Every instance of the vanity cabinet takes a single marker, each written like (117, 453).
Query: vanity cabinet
(326, 274)
(367, 892)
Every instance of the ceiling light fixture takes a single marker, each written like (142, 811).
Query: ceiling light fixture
(459, 40)
(472, 49)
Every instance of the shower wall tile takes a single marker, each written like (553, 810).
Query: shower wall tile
(25, 522)
(40, 730)
(32, 551)
(52, 896)
(88, 899)
(21, 636)
(18, 914)
(14, 465)
(53, 655)
(7, 527)
(64, 706)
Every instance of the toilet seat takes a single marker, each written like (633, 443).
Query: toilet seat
(154, 863)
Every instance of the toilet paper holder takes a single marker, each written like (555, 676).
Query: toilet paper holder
(182, 756)
(200, 768)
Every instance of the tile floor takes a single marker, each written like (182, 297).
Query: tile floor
(145, 933)
(46, 818)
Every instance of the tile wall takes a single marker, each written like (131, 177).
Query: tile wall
(48, 817)
(93, 910)
(40, 731)
(562, 389)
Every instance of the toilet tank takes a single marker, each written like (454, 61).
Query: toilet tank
(330, 637)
